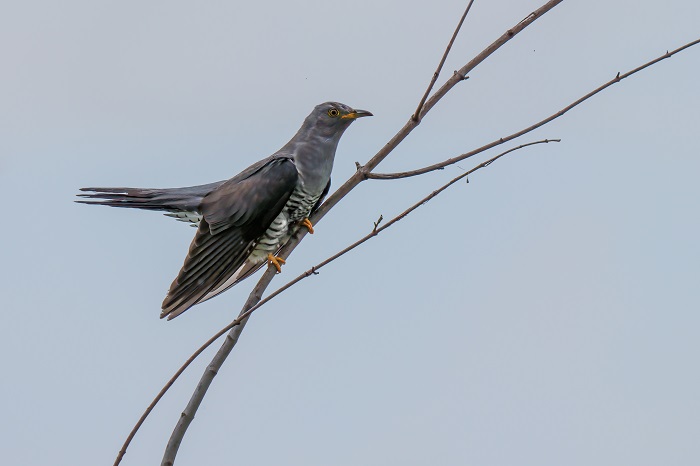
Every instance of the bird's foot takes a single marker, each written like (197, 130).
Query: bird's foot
(276, 261)
(309, 226)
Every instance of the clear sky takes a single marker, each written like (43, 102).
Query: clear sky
(546, 313)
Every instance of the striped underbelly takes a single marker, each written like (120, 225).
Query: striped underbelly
(298, 207)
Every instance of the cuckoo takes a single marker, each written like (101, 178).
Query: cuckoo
(243, 222)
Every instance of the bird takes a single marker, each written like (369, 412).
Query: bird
(244, 221)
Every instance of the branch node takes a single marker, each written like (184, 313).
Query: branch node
(461, 76)
(376, 224)
(416, 117)
(362, 171)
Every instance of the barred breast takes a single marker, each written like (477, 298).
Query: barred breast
(297, 208)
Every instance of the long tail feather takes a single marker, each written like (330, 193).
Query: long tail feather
(167, 199)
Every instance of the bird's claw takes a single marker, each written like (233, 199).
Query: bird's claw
(309, 226)
(276, 261)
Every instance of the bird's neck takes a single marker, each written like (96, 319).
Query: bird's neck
(313, 156)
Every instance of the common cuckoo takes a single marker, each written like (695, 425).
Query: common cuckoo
(243, 222)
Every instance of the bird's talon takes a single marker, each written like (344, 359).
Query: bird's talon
(309, 226)
(276, 261)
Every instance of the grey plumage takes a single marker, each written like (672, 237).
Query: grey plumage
(243, 219)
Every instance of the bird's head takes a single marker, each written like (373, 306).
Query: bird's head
(332, 118)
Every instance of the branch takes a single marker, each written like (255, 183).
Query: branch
(439, 166)
(416, 114)
(453, 160)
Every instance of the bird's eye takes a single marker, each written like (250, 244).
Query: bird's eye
(333, 113)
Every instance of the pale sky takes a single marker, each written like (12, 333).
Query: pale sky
(546, 313)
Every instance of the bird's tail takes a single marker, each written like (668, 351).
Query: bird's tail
(167, 199)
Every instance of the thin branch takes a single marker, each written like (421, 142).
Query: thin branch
(461, 74)
(416, 115)
(439, 166)
(446, 163)
(359, 176)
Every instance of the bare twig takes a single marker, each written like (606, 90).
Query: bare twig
(461, 74)
(618, 77)
(446, 163)
(416, 115)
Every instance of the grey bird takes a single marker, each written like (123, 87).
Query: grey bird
(243, 222)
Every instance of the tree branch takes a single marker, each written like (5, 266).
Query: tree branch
(439, 166)
(416, 114)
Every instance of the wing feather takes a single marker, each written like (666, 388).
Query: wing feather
(235, 215)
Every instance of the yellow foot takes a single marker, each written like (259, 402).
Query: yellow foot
(276, 261)
(307, 223)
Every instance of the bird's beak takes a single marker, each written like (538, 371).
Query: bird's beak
(356, 114)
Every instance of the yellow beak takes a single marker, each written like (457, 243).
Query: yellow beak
(356, 114)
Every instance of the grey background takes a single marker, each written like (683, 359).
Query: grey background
(544, 314)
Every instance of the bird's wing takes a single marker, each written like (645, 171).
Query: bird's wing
(249, 268)
(235, 215)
